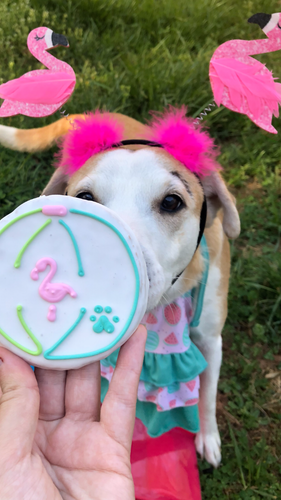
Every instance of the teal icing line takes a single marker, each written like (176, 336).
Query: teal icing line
(18, 218)
(134, 307)
(47, 354)
(27, 243)
(76, 248)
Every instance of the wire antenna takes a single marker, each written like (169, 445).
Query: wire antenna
(204, 113)
(62, 113)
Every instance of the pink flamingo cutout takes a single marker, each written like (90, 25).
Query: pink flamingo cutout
(244, 84)
(40, 92)
(51, 292)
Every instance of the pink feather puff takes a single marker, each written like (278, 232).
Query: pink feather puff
(98, 131)
(184, 141)
(93, 133)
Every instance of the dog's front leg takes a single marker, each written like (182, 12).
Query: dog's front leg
(207, 337)
(208, 439)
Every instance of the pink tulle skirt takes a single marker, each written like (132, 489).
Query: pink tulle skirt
(164, 468)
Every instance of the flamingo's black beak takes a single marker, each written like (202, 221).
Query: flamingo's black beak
(260, 19)
(59, 40)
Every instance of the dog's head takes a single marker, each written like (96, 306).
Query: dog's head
(161, 200)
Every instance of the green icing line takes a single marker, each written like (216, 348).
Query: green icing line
(19, 257)
(133, 310)
(48, 352)
(29, 332)
(76, 248)
(18, 218)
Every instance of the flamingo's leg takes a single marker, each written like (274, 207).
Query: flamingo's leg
(52, 313)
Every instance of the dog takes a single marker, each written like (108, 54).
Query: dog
(161, 200)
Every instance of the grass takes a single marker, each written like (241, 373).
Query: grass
(135, 55)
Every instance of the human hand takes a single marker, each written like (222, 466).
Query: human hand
(56, 440)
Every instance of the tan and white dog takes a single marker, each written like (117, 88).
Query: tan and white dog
(135, 181)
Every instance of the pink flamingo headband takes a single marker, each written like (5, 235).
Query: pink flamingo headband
(176, 134)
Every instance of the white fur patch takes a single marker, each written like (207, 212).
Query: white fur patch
(8, 137)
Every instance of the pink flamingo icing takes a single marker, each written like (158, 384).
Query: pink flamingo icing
(40, 92)
(51, 292)
(244, 84)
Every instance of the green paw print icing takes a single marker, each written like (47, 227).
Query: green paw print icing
(103, 323)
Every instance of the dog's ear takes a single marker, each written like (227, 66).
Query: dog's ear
(218, 196)
(57, 184)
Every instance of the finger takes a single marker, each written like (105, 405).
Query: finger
(82, 394)
(119, 406)
(51, 385)
(19, 405)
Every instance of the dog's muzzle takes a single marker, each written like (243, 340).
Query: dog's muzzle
(203, 213)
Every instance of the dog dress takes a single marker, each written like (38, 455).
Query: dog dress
(168, 390)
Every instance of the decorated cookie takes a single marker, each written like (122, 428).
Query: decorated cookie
(73, 282)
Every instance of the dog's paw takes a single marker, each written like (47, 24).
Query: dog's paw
(208, 446)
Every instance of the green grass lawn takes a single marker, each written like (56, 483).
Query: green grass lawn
(132, 56)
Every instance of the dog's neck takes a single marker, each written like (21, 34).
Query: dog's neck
(190, 278)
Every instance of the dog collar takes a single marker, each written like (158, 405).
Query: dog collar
(203, 213)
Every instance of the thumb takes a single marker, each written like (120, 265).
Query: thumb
(19, 407)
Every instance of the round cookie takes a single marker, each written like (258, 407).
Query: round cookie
(73, 282)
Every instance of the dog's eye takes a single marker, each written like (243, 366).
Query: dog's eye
(85, 195)
(171, 203)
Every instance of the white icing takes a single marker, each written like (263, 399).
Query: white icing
(109, 280)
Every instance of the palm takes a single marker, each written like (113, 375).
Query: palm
(78, 451)
(76, 448)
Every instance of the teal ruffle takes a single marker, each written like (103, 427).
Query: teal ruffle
(162, 370)
(157, 423)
